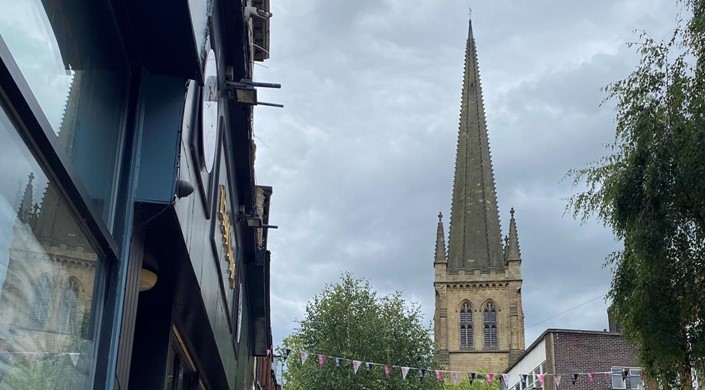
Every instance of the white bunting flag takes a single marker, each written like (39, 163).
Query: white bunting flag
(356, 365)
(557, 378)
(74, 358)
(505, 378)
(304, 356)
(455, 377)
(404, 371)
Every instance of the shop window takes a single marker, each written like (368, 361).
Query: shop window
(71, 57)
(47, 258)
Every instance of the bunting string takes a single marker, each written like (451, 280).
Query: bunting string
(12, 357)
(455, 376)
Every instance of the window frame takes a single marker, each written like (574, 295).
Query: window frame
(464, 324)
(490, 325)
(32, 126)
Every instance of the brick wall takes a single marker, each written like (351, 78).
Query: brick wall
(582, 352)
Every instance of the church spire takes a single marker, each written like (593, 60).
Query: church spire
(512, 251)
(475, 240)
(440, 242)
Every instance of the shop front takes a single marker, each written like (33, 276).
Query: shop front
(127, 256)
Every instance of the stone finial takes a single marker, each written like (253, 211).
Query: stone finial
(440, 242)
(512, 251)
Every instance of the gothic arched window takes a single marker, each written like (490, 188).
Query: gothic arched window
(69, 305)
(41, 301)
(490, 322)
(466, 325)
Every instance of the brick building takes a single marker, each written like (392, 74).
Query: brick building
(567, 352)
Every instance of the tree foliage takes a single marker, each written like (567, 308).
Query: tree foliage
(465, 384)
(348, 320)
(650, 189)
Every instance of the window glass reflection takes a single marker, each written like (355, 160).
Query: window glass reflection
(70, 55)
(47, 277)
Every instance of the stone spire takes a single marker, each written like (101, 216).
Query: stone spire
(512, 252)
(27, 210)
(475, 239)
(440, 242)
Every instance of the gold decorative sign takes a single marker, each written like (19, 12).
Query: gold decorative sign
(226, 232)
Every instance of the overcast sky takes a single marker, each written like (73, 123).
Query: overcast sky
(361, 158)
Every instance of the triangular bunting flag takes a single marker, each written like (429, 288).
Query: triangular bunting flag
(472, 376)
(439, 375)
(269, 351)
(404, 371)
(523, 379)
(455, 377)
(321, 360)
(387, 370)
(505, 378)
(356, 365)
(575, 378)
(286, 353)
(32, 356)
(304, 356)
(541, 377)
(557, 379)
(490, 377)
(338, 362)
(422, 373)
(368, 366)
(625, 374)
(591, 377)
(74, 358)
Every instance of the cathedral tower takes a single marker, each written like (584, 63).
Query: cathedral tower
(478, 319)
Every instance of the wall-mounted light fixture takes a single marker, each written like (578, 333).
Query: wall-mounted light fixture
(254, 221)
(184, 188)
(245, 92)
(147, 279)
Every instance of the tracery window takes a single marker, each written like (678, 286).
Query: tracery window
(69, 305)
(466, 325)
(490, 322)
(41, 301)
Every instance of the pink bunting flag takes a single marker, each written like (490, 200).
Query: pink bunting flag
(541, 378)
(490, 378)
(455, 377)
(304, 356)
(591, 377)
(74, 358)
(557, 379)
(404, 371)
(356, 365)
(321, 360)
(439, 375)
(505, 378)
(387, 370)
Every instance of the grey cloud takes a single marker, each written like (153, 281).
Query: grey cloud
(361, 159)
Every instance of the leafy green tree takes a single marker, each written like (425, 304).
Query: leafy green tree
(465, 384)
(650, 189)
(348, 320)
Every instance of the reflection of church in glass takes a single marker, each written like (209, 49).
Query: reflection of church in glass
(48, 286)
